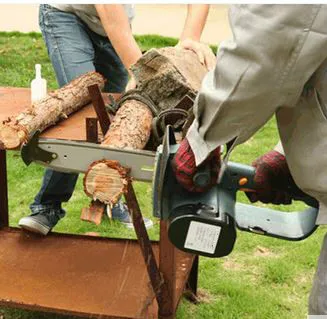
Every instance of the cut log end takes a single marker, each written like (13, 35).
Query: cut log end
(11, 137)
(106, 181)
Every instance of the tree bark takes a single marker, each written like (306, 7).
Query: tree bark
(131, 126)
(48, 111)
(166, 76)
(106, 180)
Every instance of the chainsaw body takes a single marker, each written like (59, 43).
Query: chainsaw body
(205, 223)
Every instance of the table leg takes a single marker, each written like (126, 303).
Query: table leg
(4, 215)
(167, 266)
(192, 282)
(145, 243)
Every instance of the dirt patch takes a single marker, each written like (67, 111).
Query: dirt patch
(232, 265)
(261, 251)
(304, 279)
(204, 296)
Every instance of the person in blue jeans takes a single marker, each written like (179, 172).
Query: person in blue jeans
(83, 38)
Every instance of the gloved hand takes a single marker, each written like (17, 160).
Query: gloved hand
(184, 167)
(273, 180)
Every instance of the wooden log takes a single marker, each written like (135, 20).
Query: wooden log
(131, 126)
(166, 75)
(93, 213)
(40, 115)
(106, 180)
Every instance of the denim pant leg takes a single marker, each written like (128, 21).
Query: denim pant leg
(73, 50)
(318, 295)
(108, 63)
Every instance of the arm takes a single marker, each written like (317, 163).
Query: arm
(195, 21)
(263, 68)
(116, 24)
(190, 38)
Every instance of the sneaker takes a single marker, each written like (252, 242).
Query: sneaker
(41, 222)
(120, 213)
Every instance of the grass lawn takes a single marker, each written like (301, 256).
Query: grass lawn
(261, 278)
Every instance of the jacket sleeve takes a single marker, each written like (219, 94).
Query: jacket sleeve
(279, 148)
(274, 51)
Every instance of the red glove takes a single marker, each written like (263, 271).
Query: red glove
(273, 180)
(184, 167)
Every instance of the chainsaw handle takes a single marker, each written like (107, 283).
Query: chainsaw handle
(262, 220)
(238, 177)
(241, 177)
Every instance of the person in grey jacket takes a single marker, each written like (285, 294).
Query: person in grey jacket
(276, 63)
(96, 37)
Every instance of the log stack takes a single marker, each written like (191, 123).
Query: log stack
(165, 75)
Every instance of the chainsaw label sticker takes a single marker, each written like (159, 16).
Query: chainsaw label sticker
(202, 237)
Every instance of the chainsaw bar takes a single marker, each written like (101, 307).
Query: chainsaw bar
(75, 157)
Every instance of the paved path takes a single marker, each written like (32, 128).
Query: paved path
(163, 19)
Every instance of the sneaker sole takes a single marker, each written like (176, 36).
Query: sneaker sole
(33, 226)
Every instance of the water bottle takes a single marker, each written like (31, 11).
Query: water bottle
(38, 85)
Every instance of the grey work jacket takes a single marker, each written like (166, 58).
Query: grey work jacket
(275, 64)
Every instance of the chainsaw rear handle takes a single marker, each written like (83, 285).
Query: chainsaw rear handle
(240, 177)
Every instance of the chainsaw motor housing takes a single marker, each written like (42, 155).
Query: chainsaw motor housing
(199, 223)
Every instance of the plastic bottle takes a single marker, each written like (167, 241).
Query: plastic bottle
(38, 85)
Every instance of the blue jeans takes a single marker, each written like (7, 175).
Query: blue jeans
(73, 50)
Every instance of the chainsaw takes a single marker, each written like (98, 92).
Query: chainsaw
(199, 223)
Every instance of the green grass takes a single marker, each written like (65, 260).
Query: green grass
(262, 278)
